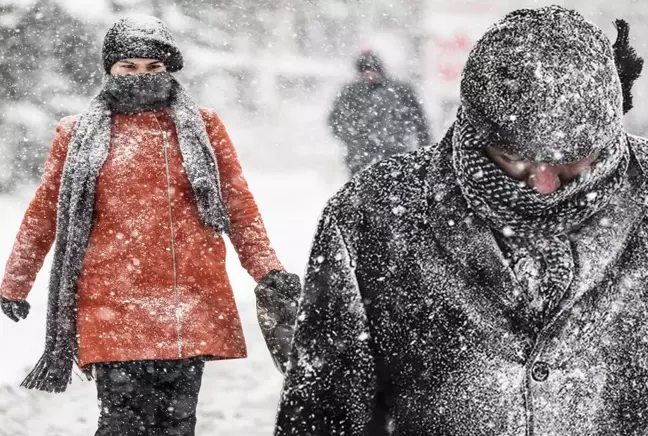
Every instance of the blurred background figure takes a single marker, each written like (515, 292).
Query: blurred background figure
(376, 116)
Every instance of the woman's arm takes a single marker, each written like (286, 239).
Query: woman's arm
(38, 228)
(248, 233)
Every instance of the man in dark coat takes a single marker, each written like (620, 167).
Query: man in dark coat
(376, 116)
(494, 284)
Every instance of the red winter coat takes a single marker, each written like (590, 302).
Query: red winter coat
(128, 306)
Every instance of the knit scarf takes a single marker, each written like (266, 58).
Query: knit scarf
(87, 151)
(529, 223)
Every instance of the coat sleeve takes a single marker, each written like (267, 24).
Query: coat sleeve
(330, 385)
(417, 116)
(38, 228)
(248, 233)
(340, 117)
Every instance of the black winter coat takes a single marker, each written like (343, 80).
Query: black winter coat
(378, 120)
(408, 324)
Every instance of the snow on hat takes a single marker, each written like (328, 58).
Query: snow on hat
(369, 61)
(141, 37)
(542, 83)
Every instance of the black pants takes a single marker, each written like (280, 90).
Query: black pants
(148, 398)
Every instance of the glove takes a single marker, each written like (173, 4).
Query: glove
(15, 310)
(277, 303)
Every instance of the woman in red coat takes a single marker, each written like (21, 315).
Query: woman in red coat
(137, 192)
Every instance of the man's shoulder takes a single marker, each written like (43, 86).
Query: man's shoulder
(401, 186)
(389, 186)
(356, 86)
(399, 85)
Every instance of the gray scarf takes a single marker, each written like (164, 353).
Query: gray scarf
(532, 225)
(87, 151)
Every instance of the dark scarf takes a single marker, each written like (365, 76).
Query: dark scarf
(531, 225)
(134, 93)
(87, 151)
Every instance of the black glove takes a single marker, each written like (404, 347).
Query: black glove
(15, 310)
(277, 300)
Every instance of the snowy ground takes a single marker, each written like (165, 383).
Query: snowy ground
(238, 397)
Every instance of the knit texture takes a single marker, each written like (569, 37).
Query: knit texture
(141, 37)
(87, 151)
(543, 84)
(533, 222)
(135, 93)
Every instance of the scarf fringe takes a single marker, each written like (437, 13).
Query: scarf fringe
(47, 378)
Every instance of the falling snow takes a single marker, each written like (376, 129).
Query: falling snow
(404, 285)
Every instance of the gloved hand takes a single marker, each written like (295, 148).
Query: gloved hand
(277, 300)
(15, 310)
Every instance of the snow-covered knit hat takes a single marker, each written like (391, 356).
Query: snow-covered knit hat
(369, 61)
(542, 84)
(141, 36)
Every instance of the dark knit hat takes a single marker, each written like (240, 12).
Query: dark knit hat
(369, 61)
(542, 84)
(141, 37)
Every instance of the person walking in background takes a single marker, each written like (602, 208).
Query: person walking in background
(377, 116)
(137, 192)
(495, 284)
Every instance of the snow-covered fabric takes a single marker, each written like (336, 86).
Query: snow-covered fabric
(148, 397)
(528, 220)
(141, 36)
(514, 208)
(412, 322)
(277, 295)
(375, 120)
(369, 61)
(544, 266)
(87, 151)
(135, 93)
(131, 303)
(543, 82)
(413, 319)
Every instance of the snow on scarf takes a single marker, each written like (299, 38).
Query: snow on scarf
(86, 154)
(527, 220)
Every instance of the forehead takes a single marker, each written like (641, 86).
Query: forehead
(140, 61)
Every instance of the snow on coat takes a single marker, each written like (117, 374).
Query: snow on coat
(409, 323)
(127, 306)
(378, 120)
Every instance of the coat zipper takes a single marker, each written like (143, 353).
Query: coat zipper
(176, 293)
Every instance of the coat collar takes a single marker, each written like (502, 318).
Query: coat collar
(472, 245)
(604, 238)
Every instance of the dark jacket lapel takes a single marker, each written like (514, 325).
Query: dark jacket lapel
(469, 244)
(601, 242)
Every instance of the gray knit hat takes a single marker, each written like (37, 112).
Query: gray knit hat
(542, 84)
(141, 36)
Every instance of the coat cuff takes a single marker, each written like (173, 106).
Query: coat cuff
(266, 266)
(15, 289)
